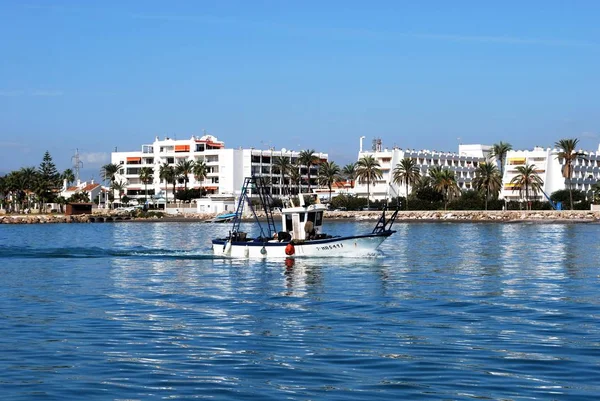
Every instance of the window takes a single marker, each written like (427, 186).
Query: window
(319, 220)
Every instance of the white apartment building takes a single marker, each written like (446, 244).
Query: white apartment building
(586, 171)
(227, 168)
(464, 163)
(548, 166)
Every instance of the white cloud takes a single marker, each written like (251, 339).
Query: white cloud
(35, 92)
(8, 144)
(47, 93)
(208, 19)
(501, 40)
(8, 93)
(94, 158)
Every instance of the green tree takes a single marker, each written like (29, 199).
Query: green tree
(564, 196)
(283, 165)
(407, 172)
(568, 154)
(109, 172)
(61, 202)
(183, 169)
(25, 182)
(499, 151)
(444, 180)
(295, 176)
(146, 176)
(69, 176)
(167, 173)
(119, 186)
(3, 191)
(596, 191)
(368, 171)
(200, 170)
(308, 158)
(527, 180)
(48, 180)
(79, 197)
(329, 172)
(349, 172)
(487, 181)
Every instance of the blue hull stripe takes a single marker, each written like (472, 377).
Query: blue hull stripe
(223, 241)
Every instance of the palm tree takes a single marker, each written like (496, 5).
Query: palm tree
(407, 172)
(69, 176)
(329, 172)
(3, 191)
(444, 180)
(527, 180)
(596, 190)
(295, 176)
(569, 154)
(13, 187)
(487, 179)
(119, 186)
(349, 172)
(167, 173)
(183, 169)
(368, 171)
(108, 172)
(308, 158)
(283, 164)
(499, 151)
(200, 170)
(62, 201)
(146, 177)
(423, 182)
(29, 179)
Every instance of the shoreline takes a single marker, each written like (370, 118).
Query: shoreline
(454, 216)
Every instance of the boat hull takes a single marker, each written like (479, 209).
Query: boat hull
(354, 246)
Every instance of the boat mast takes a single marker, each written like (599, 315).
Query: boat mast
(257, 185)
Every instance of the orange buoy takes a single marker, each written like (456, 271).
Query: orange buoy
(289, 249)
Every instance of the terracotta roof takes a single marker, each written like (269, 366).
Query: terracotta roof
(89, 187)
(72, 189)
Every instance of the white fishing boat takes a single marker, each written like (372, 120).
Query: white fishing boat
(301, 235)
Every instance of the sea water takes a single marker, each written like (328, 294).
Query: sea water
(142, 311)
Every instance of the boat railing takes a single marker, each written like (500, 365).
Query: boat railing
(385, 224)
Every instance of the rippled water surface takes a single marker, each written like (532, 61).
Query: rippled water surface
(141, 311)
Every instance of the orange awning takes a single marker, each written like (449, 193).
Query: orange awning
(182, 148)
(134, 159)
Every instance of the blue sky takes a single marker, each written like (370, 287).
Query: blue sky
(294, 74)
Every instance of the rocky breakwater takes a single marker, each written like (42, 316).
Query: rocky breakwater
(43, 219)
(59, 218)
(542, 216)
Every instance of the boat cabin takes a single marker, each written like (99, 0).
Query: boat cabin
(303, 222)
